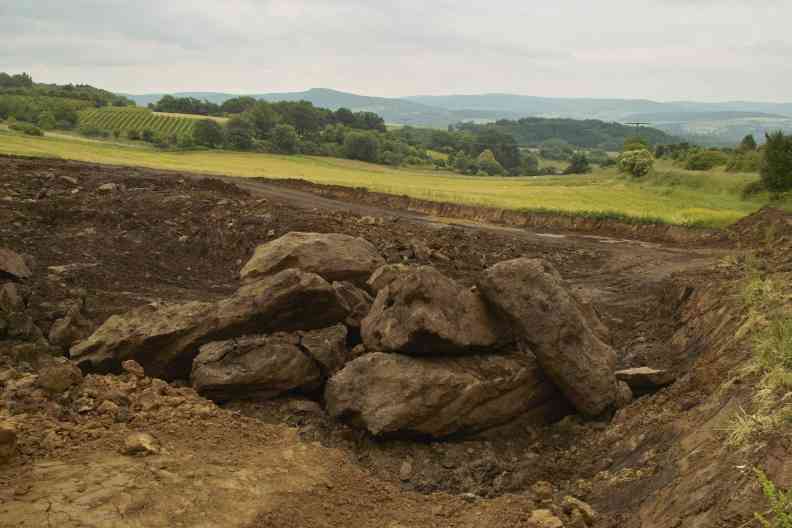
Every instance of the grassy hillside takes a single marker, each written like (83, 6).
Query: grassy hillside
(133, 118)
(673, 196)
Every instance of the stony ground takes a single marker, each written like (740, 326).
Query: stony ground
(155, 237)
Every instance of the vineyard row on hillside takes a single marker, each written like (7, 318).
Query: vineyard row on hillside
(139, 119)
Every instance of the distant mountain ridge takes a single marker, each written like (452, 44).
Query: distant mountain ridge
(718, 123)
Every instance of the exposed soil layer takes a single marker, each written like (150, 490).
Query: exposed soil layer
(165, 236)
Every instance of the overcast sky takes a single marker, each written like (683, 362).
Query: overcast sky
(710, 50)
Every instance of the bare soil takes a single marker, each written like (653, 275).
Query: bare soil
(165, 236)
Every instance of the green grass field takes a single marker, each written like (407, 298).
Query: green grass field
(675, 196)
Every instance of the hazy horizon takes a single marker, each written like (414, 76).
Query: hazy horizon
(665, 50)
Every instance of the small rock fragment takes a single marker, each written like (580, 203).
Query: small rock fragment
(108, 187)
(543, 490)
(59, 376)
(572, 504)
(141, 444)
(405, 471)
(545, 519)
(133, 367)
(643, 379)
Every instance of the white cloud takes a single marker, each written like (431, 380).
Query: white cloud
(667, 49)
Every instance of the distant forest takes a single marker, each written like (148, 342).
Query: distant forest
(589, 133)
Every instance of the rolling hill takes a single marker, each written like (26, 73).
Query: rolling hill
(714, 123)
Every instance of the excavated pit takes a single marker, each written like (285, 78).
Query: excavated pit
(170, 237)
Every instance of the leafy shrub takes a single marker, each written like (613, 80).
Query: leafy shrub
(751, 189)
(530, 165)
(780, 504)
(635, 143)
(556, 149)
(148, 135)
(745, 161)
(776, 167)
(26, 128)
(637, 163)
(579, 164)
(93, 132)
(46, 120)
(703, 160)
(490, 166)
(310, 148)
(598, 157)
(134, 135)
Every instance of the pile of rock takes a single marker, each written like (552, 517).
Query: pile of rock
(425, 357)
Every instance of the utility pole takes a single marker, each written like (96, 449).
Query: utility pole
(637, 128)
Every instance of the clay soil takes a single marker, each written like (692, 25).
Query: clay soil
(164, 236)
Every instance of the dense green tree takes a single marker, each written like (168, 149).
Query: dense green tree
(237, 105)
(285, 139)
(206, 132)
(185, 105)
(239, 133)
(529, 165)
(20, 80)
(502, 145)
(748, 143)
(344, 116)
(363, 146)
(776, 167)
(369, 121)
(556, 149)
(264, 119)
(579, 164)
(46, 120)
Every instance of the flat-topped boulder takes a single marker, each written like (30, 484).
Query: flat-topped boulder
(388, 393)
(333, 256)
(265, 366)
(422, 312)
(254, 367)
(165, 339)
(546, 318)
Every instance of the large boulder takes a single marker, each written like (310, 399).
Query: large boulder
(166, 339)
(13, 266)
(531, 294)
(254, 367)
(333, 256)
(423, 313)
(388, 393)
